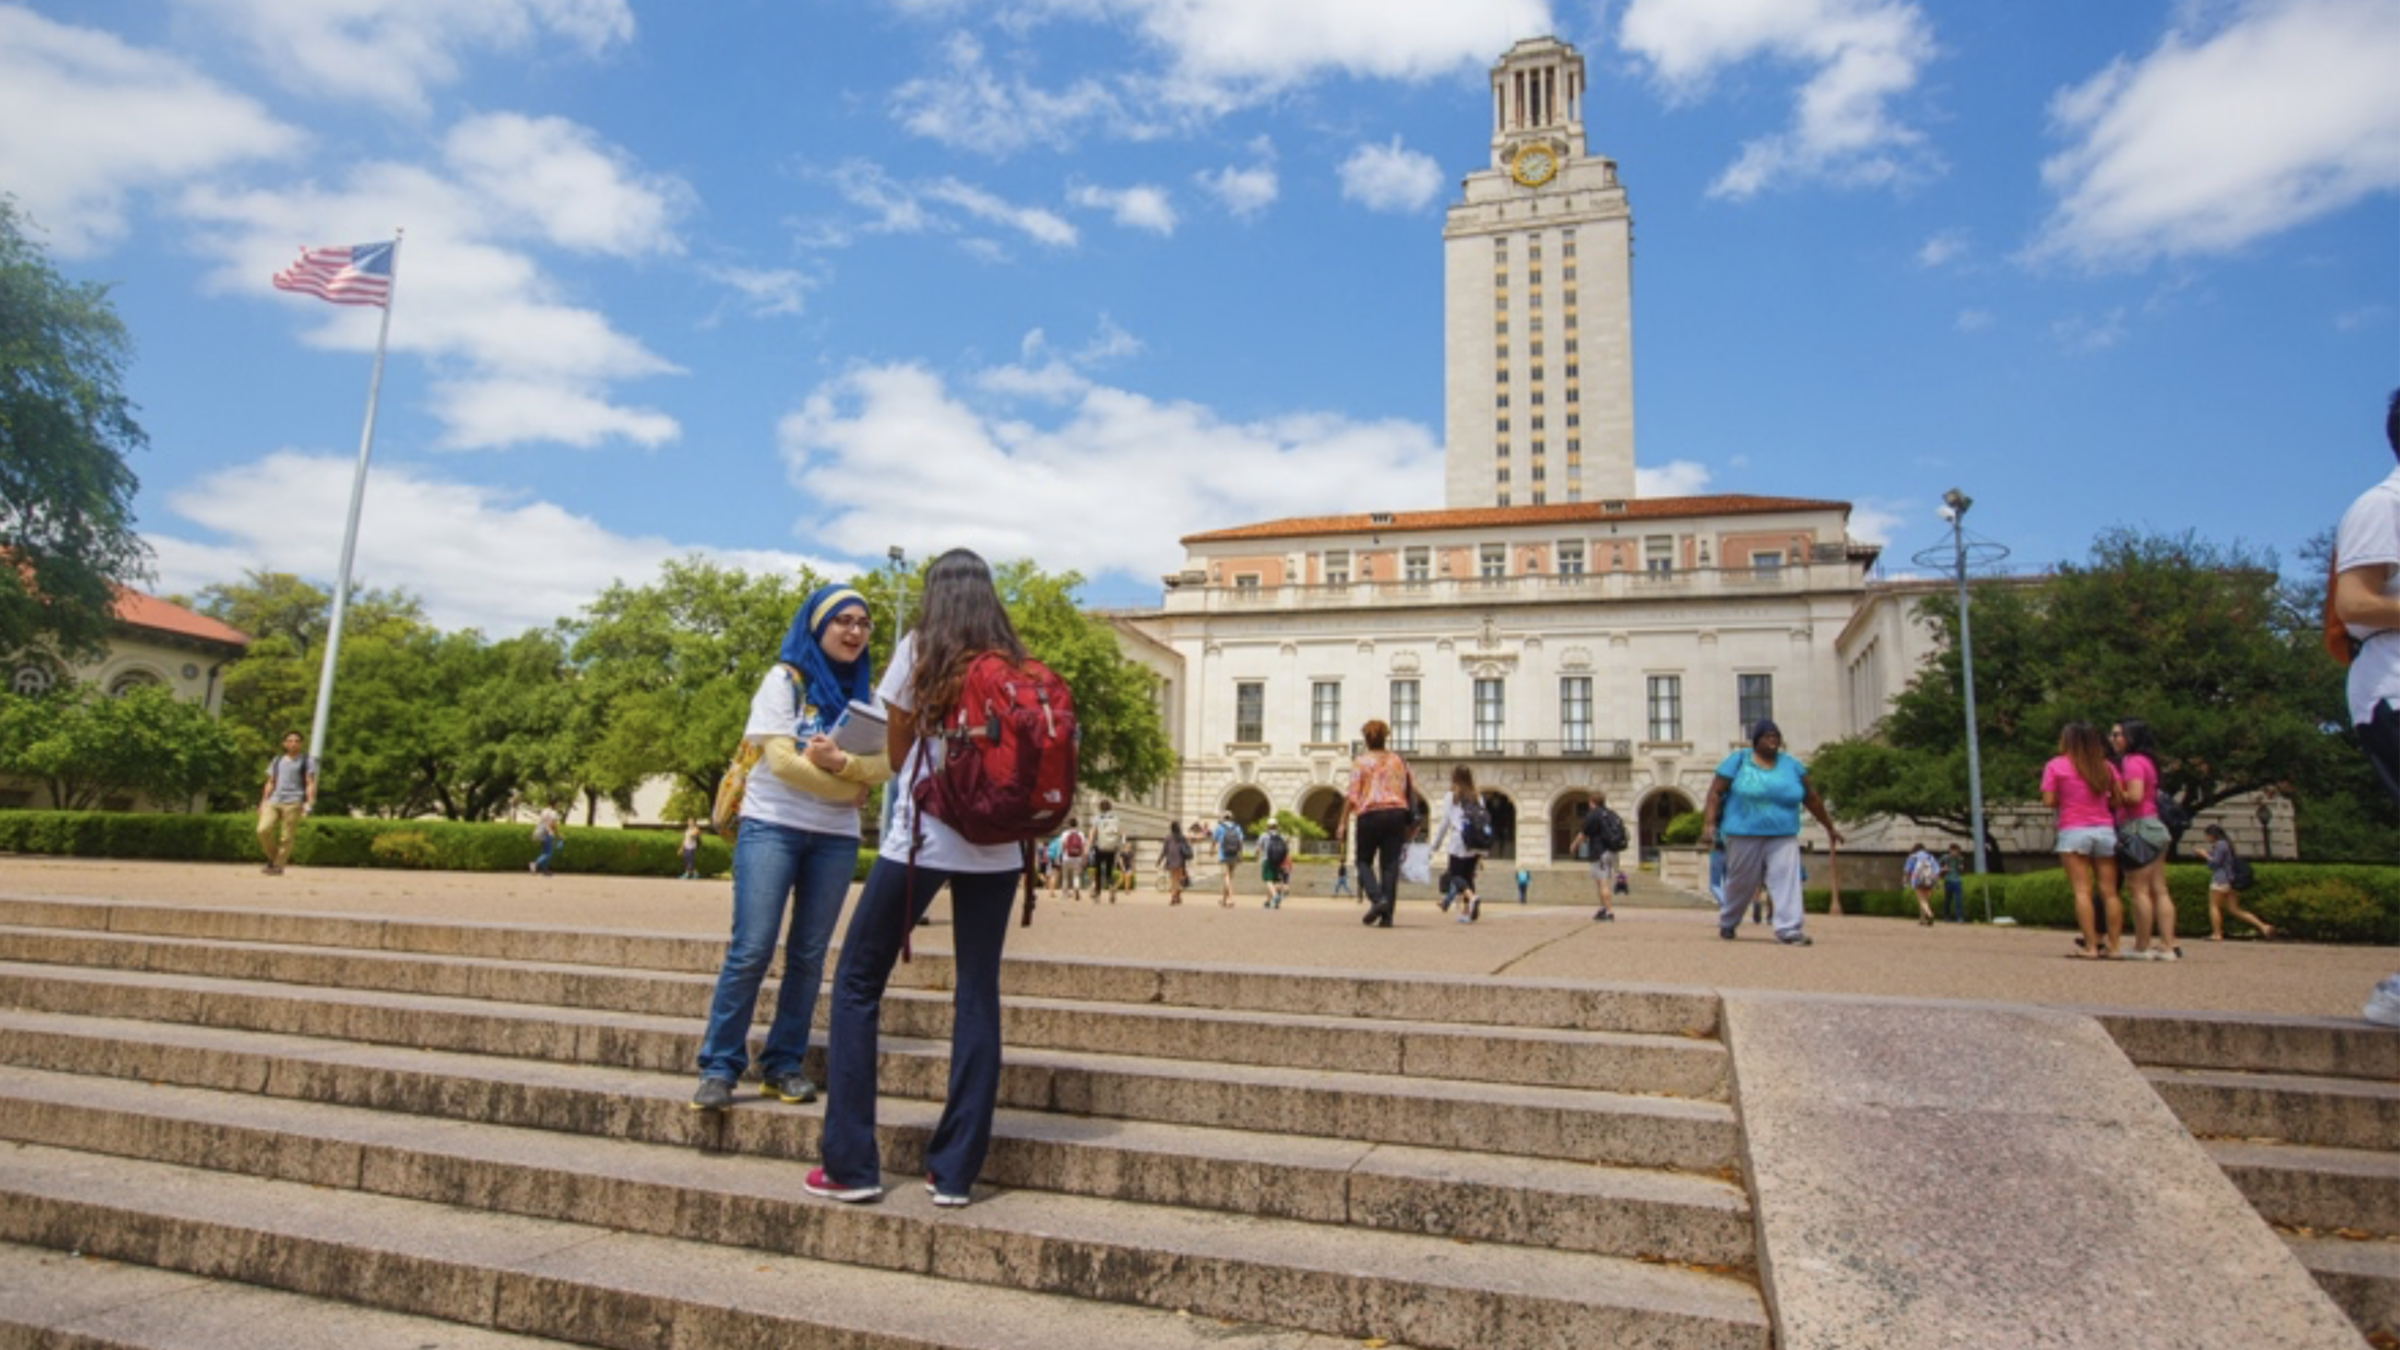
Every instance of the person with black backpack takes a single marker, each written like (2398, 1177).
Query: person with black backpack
(1463, 836)
(959, 621)
(2225, 879)
(1604, 839)
(1274, 863)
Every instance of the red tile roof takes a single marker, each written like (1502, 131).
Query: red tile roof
(159, 616)
(1565, 513)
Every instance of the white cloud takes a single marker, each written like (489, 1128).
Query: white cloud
(1043, 227)
(1212, 57)
(478, 557)
(766, 292)
(2288, 111)
(387, 52)
(1973, 320)
(1875, 522)
(514, 361)
(1676, 478)
(2081, 334)
(1141, 207)
(87, 122)
(970, 446)
(555, 179)
(1861, 55)
(1390, 178)
(1245, 191)
(1946, 247)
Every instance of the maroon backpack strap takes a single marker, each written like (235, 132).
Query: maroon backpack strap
(1027, 921)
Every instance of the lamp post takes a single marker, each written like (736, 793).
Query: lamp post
(2266, 830)
(1984, 553)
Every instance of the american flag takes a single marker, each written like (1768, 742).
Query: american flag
(357, 274)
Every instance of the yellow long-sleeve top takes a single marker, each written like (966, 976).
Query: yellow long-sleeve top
(784, 758)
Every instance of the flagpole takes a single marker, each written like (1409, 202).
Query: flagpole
(358, 493)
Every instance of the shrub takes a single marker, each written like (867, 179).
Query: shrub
(2323, 902)
(1683, 829)
(2325, 909)
(409, 848)
(345, 841)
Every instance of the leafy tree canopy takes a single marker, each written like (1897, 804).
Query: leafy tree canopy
(87, 747)
(66, 428)
(2200, 640)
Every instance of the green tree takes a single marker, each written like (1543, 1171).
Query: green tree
(666, 672)
(1124, 750)
(2197, 639)
(66, 427)
(87, 747)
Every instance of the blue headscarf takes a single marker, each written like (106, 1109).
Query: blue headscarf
(826, 684)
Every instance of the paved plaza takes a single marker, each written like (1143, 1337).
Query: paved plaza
(1662, 943)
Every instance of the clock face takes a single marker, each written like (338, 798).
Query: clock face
(1534, 165)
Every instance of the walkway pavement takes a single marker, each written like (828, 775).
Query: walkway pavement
(1651, 945)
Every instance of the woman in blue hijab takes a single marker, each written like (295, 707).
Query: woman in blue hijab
(798, 843)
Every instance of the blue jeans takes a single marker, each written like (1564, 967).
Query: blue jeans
(980, 903)
(1955, 894)
(773, 863)
(541, 862)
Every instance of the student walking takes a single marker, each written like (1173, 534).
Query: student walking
(1175, 861)
(1228, 839)
(958, 619)
(1382, 798)
(289, 795)
(796, 850)
(2223, 896)
(1462, 836)
(549, 832)
(1924, 872)
(1756, 799)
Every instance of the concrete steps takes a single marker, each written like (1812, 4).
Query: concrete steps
(2304, 1116)
(481, 1125)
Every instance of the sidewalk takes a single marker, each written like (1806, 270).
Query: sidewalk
(1661, 946)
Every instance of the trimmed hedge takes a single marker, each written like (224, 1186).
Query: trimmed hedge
(346, 841)
(2315, 902)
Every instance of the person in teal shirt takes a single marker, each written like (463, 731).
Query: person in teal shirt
(1524, 882)
(1755, 802)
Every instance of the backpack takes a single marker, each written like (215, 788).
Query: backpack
(1475, 825)
(1925, 873)
(1107, 835)
(1606, 829)
(1008, 774)
(1072, 846)
(1273, 850)
(1229, 842)
(2243, 877)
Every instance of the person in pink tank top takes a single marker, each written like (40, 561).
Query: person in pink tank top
(2082, 786)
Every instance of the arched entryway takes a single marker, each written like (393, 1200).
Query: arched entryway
(1657, 809)
(1503, 811)
(1321, 807)
(1566, 822)
(1248, 806)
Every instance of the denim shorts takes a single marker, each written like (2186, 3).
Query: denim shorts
(2093, 841)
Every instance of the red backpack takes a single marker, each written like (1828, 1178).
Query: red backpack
(1008, 765)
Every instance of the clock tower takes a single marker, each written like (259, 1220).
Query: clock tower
(1538, 302)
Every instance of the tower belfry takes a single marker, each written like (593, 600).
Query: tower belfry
(1538, 302)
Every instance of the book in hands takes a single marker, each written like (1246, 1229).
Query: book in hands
(860, 729)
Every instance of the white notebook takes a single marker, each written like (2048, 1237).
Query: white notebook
(860, 730)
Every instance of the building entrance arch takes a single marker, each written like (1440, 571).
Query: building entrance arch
(1657, 809)
(1249, 806)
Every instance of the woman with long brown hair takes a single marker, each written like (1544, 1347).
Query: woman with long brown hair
(2082, 786)
(959, 619)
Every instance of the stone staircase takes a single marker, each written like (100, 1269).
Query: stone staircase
(234, 1128)
(2304, 1115)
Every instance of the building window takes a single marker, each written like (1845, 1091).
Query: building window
(1337, 567)
(1404, 716)
(1491, 710)
(1569, 275)
(31, 681)
(1250, 712)
(1574, 395)
(1500, 329)
(1534, 301)
(1575, 713)
(1666, 707)
(1534, 278)
(1245, 581)
(1500, 376)
(1492, 561)
(1536, 353)
(1416, 564)
(1500, 425)
(1766, 564)
(1537, 398)
(1658, 554)
(1325, 711)
(1538, 420)
(1571, 345)
(1754, 700)
(1570, 557)
(1500, 302)
(1499, 400)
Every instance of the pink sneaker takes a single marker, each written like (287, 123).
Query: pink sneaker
(817, 1183)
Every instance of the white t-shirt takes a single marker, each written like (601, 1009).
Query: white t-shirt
(2370, 536)
(777, 709)
(943, 848)
(1454, 829)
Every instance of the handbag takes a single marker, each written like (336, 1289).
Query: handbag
(1416, 864)
(2133, 851)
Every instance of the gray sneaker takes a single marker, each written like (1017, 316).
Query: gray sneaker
(715, 1094)
(795, 1088)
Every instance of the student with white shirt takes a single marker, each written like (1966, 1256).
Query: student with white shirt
(958, 618)
(797, 847)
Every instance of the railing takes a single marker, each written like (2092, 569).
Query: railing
(1580, 747)
(1530, 588)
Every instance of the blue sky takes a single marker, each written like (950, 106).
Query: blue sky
(799, 280)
